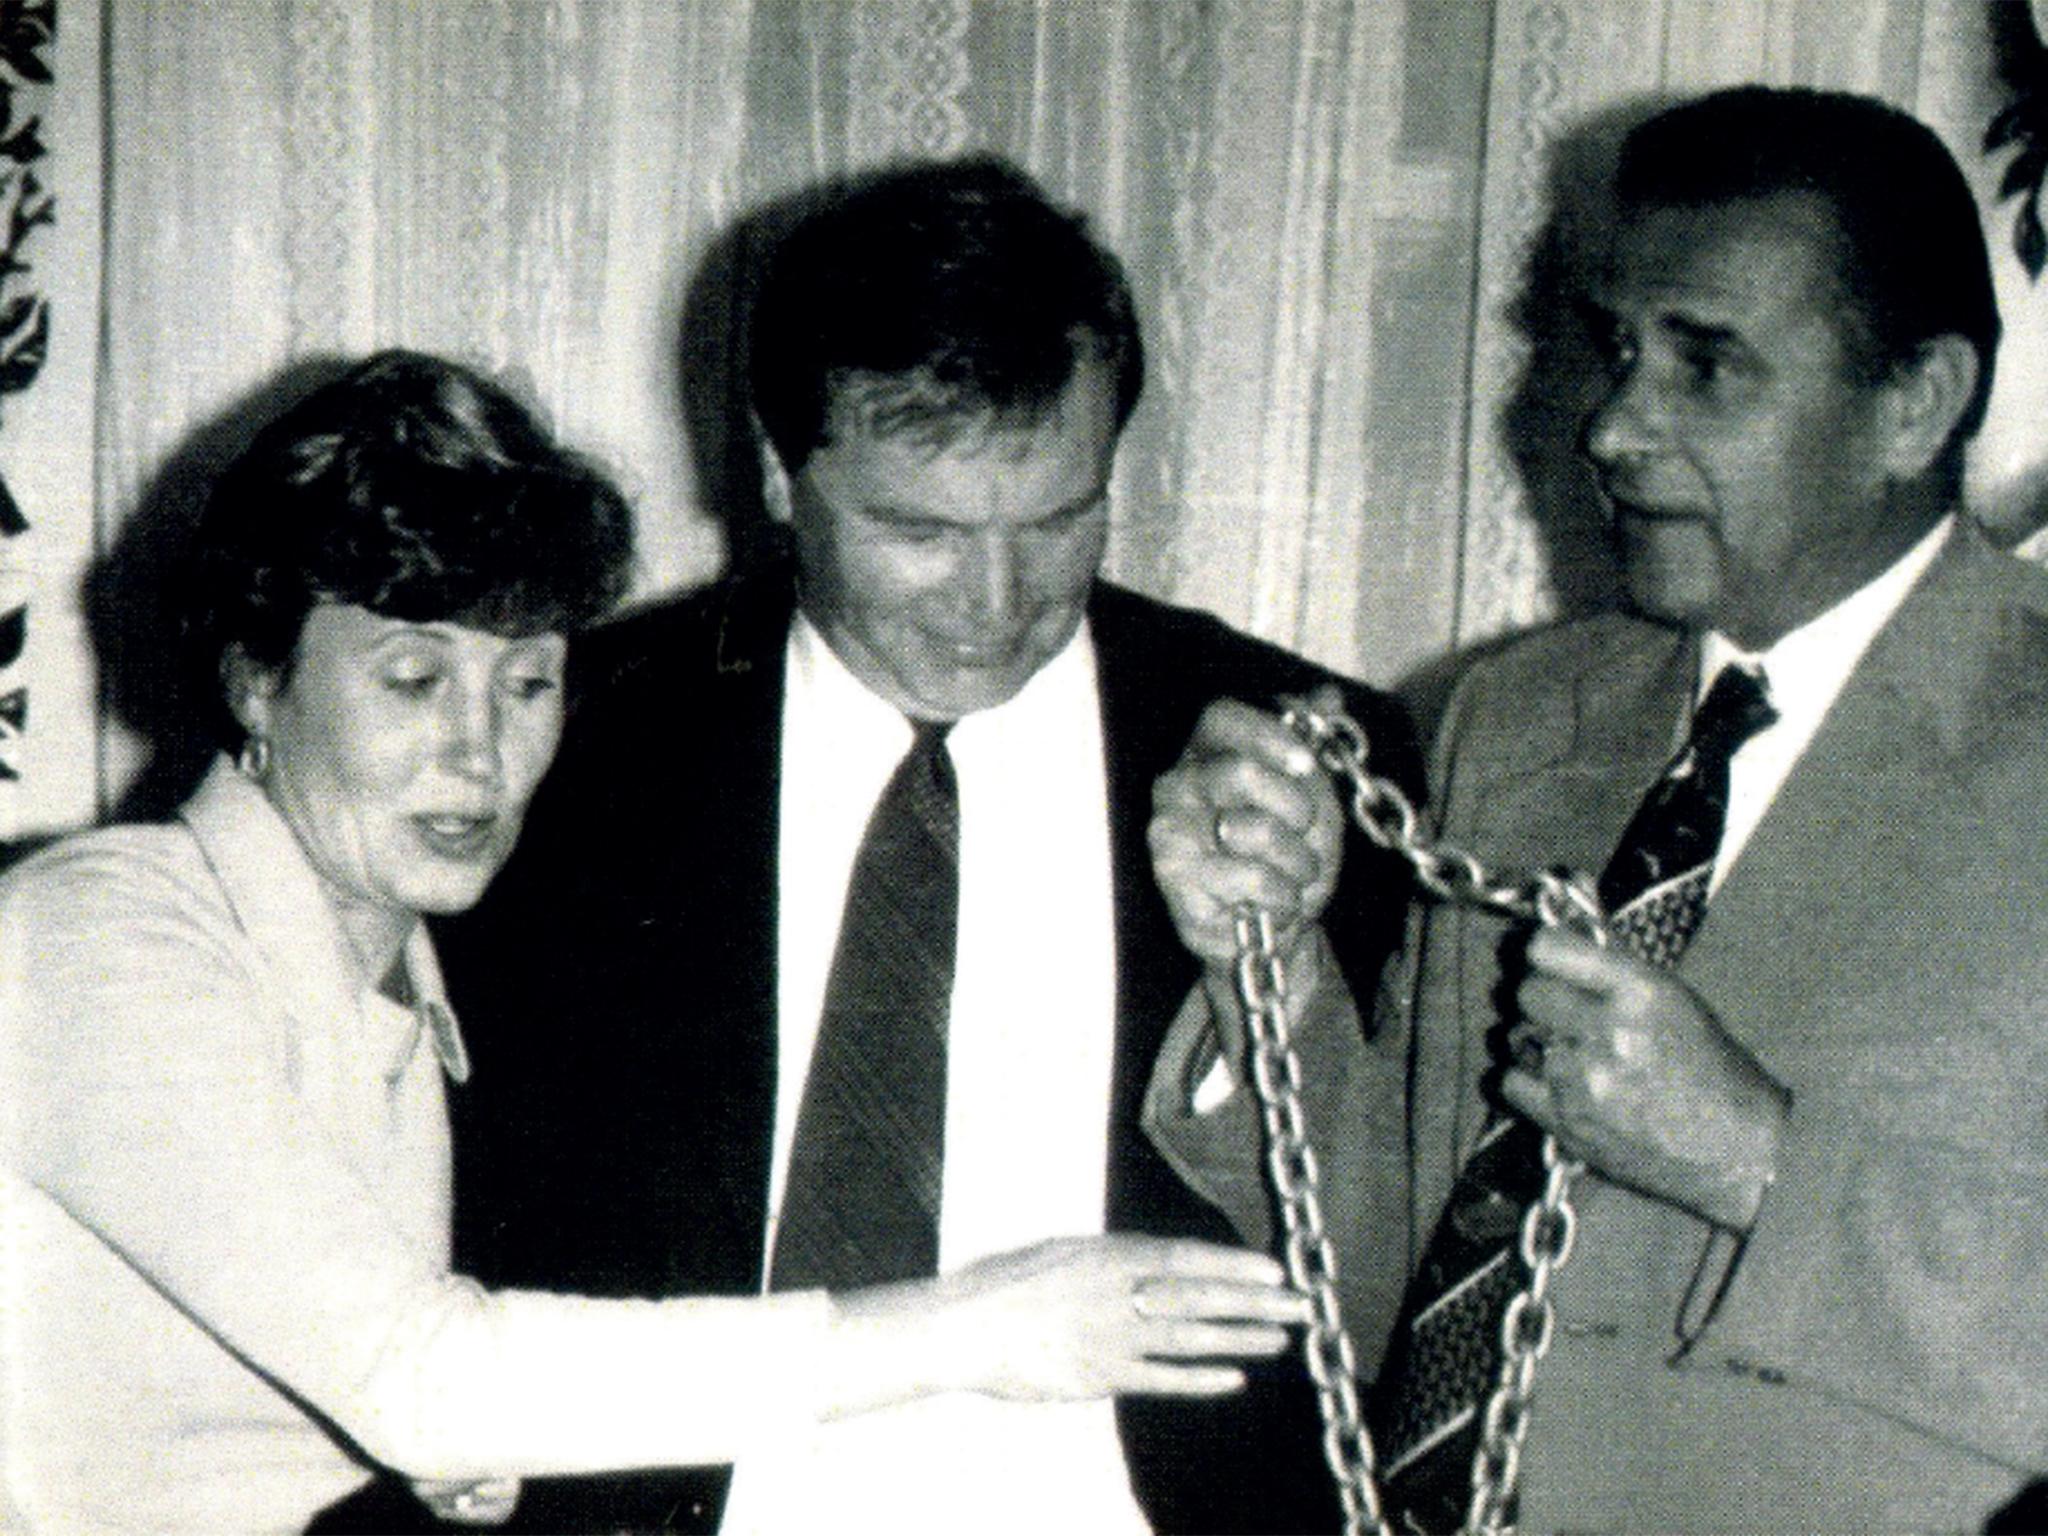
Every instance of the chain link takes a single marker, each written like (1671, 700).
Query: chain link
(1311, 1260)
(1552, 898)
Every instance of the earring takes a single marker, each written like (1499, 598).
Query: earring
(775, 495)
(254, 758)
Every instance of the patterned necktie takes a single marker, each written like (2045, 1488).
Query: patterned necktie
(1445, 1358)
(861, 1205)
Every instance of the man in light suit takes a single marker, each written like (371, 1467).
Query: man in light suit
(1806, 1288)
(942, 363)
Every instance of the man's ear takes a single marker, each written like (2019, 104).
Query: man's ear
(1925, 398)
(250, 689)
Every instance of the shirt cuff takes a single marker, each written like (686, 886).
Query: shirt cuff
(1217, 1086)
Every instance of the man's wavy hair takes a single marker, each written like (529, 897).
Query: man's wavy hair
(942, 293)
(1910, 259)
(415, 488)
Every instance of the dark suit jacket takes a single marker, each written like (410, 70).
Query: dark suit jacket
(618, 988)
(1878, 1357)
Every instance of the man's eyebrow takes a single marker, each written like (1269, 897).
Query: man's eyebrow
(1077, 506)
(1592, 313)
(897, 512)
(1700, 332)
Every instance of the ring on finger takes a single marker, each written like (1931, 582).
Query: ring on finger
(1555, 1048)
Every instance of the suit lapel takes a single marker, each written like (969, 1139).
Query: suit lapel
(1557, 785)
(1888, 783)
(1561, 788)
(720, 887)
(1143, 731)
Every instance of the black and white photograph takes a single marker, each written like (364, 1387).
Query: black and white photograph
(1101, 767)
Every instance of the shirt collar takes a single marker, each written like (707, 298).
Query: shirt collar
(278, 900)
(847, 709)
(1807, 667)
(1061, 691)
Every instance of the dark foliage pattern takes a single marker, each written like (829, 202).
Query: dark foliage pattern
(2021, 61)
(28, 30)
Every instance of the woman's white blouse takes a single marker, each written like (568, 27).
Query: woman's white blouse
(224, 1219)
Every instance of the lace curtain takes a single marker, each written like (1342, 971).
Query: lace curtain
(1356, 438)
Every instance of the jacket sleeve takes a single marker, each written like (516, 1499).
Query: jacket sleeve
(1352, 1103)
(147, 1099)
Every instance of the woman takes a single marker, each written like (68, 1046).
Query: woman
(225, 1149)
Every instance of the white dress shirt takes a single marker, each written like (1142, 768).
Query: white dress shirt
(224, 1219)
(1804, 673)
(1030, 1042)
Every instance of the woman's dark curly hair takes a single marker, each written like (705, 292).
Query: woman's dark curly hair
(414, 488)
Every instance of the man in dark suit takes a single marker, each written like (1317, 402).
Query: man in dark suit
(942, 363)
(1805, 1291)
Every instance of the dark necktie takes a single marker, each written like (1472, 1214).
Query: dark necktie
(861, 1205)
(1445, 1358)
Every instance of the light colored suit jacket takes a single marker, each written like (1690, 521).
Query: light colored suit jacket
(1875, 1356)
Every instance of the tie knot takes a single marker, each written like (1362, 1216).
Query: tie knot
(928, 754)
(925, 774)
(1735, 709)
(928, 736)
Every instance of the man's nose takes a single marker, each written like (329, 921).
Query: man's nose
(991, 577)
(1627, 425)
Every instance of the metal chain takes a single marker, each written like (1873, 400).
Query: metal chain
(1311, 1260)
(1551, 898)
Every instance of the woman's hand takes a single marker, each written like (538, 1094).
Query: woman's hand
(1069, 1319)
(1091, 1317)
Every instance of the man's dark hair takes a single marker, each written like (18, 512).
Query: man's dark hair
(954, 289)
(414, 488)
(1911, 262)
